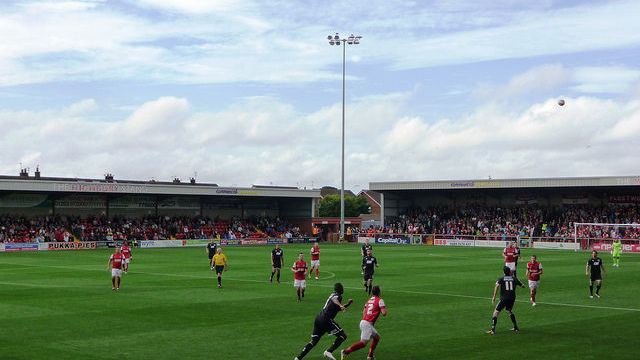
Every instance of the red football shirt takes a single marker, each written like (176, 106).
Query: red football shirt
(315, 253)
(126, 251)
(510, 253)
(534, 266)
(372, 309)
(300, 267)
(118, 259)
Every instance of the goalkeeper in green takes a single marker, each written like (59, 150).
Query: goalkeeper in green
(617, 250)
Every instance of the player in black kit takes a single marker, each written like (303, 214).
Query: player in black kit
(276, 262)
(365, 247)
(211, 249)
(507, 285)
(595, 263)
(324, 323)
(369, 263)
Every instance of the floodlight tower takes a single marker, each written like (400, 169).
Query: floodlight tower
(336, 40)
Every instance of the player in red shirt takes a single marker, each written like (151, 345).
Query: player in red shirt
(126, 251)
(509, 253)
(315, 259)
(299, 269)
(534, 269)
(372, 309)
(117, 260)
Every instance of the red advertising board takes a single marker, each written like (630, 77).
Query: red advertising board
(608, 247)
(440, 242)
(72, 245)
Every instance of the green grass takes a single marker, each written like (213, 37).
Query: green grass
(59, 305)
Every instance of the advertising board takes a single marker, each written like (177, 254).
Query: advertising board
(71, 245)
(388, 240)
(21, 247)
(491, 243)
(608, 247)
(197, 242)
(253, 242)
(453, 242)
(556, 245)
(160, 243)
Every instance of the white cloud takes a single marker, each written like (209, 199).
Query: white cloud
(62, 6)
(193, 6)
(541, 78)
(520, 35)
(92, 40)
(610, 79)
(262, 140)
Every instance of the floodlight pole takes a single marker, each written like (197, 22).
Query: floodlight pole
(336, 40)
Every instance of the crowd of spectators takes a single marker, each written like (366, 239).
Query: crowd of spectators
(474, 220)
(65, 228)
(529, 220)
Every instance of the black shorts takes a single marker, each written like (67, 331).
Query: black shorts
(596, 277)
(368, 277)
(276, 266)
(210, 259)
(323, 326)
(219, 269)
(505, 304)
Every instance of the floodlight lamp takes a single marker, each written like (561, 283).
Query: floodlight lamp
(329, 37)
(331, 42)
(336, 37)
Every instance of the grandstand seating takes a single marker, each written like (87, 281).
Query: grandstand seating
(529, 220)
(49, 229)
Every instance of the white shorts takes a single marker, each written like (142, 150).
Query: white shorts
(126, 260)
(511, 265)
(367, 331)
(315, 263)
(116, 272)
(300, 283)
(533, 284)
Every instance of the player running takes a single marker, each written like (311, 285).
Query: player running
(509, 254)
(372, 309)
(369, 263)
(299, 269)
(315, 259)
(364, 249)
(219, 263)
(616, 252)
(126, 251)
(117, 260)
(596, 265)
(211, 250)
(324, 323)
(507, 285)
(534, 270)
(276, 262)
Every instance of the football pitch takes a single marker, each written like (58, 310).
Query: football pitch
(59, 305)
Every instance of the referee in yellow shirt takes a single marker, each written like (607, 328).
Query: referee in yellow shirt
(219, 263)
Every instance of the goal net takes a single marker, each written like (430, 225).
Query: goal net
(600, 236)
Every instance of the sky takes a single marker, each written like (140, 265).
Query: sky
(250, 92)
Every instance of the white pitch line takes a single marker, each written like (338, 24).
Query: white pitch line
(355, 288)
(412, 292)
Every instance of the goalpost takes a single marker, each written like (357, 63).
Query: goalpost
(614, 231)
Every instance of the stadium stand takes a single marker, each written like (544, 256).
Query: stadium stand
(532, 221)
(64, 228)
